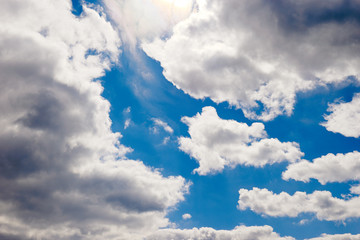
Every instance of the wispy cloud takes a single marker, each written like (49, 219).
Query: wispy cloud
(159, 123)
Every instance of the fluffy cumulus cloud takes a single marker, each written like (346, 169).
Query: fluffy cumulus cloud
(216, 143)
(320, 203)
(239, 233)
(344, 118)
(328, 168)
(63, 174)
(257, 55)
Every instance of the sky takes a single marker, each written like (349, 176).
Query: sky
(179, 119)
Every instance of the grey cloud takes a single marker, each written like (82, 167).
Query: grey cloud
(13, 237)
(63, 172)
(295, 15)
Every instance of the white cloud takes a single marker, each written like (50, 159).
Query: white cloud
(166, 140)
(346, 236)
(127, 110)
(63, 172)
(328, 168)
(344, 118)
(239, 233)
(321, 203)
(216, 143)
(127, 114)
(163, 125)
(127, 123)
(186, 216)
(304, 221)
(355, 189)
(261, 51)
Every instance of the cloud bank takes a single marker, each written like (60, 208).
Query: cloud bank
(257, 55)
(216, 143)
(337, 237)
(63, 172)
(239, 233)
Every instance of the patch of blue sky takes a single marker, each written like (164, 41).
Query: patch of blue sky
(77, 7)
(150, 98)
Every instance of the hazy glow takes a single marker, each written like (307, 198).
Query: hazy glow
(141, 20)
(176, 10)
(182, 4)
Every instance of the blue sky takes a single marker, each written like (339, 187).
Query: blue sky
(242, 115)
